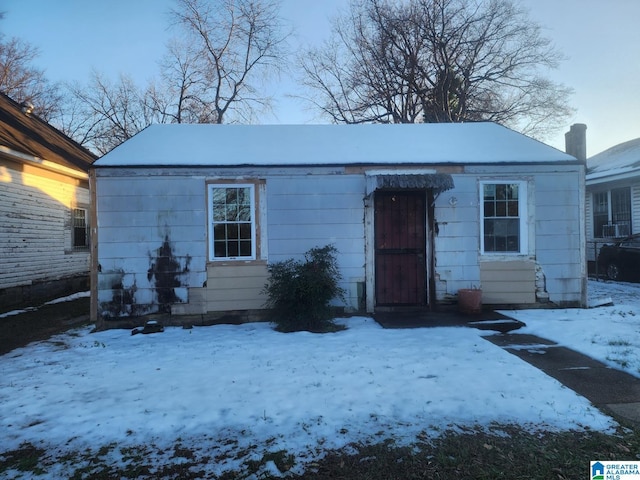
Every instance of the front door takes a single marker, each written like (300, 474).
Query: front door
(400, 246)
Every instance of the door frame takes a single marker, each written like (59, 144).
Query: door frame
(370, 250)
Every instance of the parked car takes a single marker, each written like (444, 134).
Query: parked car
(621, 260)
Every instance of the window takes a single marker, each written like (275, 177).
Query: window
(600, 213)
(612, 213)
(232, 227)
(80, 228)
(503, 217)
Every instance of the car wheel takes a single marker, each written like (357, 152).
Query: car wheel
(613, 271)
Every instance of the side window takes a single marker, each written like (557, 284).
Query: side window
(232, 223)
(600, 214)
(80, 228)
(503, 212)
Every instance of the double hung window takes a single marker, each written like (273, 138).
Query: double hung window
(503, 210)
(232, 223)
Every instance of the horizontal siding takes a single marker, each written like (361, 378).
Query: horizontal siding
(235, 287)
(307, 211)
(555, 228)
(508, 282)
(560, 236)
(457, 240)
(35, 226)
(146, 225)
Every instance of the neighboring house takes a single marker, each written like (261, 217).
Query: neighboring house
(613, 196)
(44, 209)
(189, 216)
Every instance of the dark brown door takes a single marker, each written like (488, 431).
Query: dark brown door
(400, 245)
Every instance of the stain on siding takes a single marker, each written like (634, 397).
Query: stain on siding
(123, 299)
(164, 274)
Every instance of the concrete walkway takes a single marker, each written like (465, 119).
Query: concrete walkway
(612, 391)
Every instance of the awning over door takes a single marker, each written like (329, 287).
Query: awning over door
(438, 182)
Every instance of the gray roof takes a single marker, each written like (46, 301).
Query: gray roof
(622, 159)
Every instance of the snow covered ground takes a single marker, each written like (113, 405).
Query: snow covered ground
(234, 392)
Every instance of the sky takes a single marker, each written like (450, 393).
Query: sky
(237, 392)
(601, 41)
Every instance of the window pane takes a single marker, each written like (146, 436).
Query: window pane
(244, 196)
(218, 213)
(219, 196)
(232, 213)
(245, 248)
(244, 213)
(501, 209)
(245, 231)
(232, 231)
(489, 192)
(232, 196)
(220, 249)
(232, 247)
(219, 232)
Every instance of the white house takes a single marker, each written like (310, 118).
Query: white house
(613, 195)
(44, 209)
(189, 216)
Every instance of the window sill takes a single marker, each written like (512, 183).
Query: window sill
(228, 263)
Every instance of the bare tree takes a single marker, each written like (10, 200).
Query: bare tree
(104, 114)
(236, 43)
(437, 61)
(23, 82)
(207, 76)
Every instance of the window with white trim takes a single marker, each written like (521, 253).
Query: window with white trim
(612, 213)
(232, 223)
(503, 212)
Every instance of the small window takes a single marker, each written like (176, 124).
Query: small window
(503, 215)
(232, 229)
(80, 228)
(612, 213)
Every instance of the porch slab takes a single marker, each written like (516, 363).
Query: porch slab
(440, 318)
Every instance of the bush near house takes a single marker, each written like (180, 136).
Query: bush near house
(300, 292)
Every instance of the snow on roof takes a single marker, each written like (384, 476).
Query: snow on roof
(236, 145)
(620, 159)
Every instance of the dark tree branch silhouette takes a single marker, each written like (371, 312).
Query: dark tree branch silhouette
(437, 61)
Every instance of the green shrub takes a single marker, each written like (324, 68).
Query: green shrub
(299, 292)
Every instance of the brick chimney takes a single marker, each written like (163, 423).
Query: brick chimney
(575, 141)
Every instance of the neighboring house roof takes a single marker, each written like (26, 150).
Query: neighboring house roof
(622, 160)
(26, 136)
(290, 145)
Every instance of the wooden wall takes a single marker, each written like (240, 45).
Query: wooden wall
(36, 226)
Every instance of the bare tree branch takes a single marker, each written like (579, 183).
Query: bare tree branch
(437, 61)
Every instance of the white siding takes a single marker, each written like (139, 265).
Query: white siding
(151, 241)
(35, 226)
(307, 211)
(555, 228)
(457, 243)
(138, 213)
(560, 235)
(141, 211)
